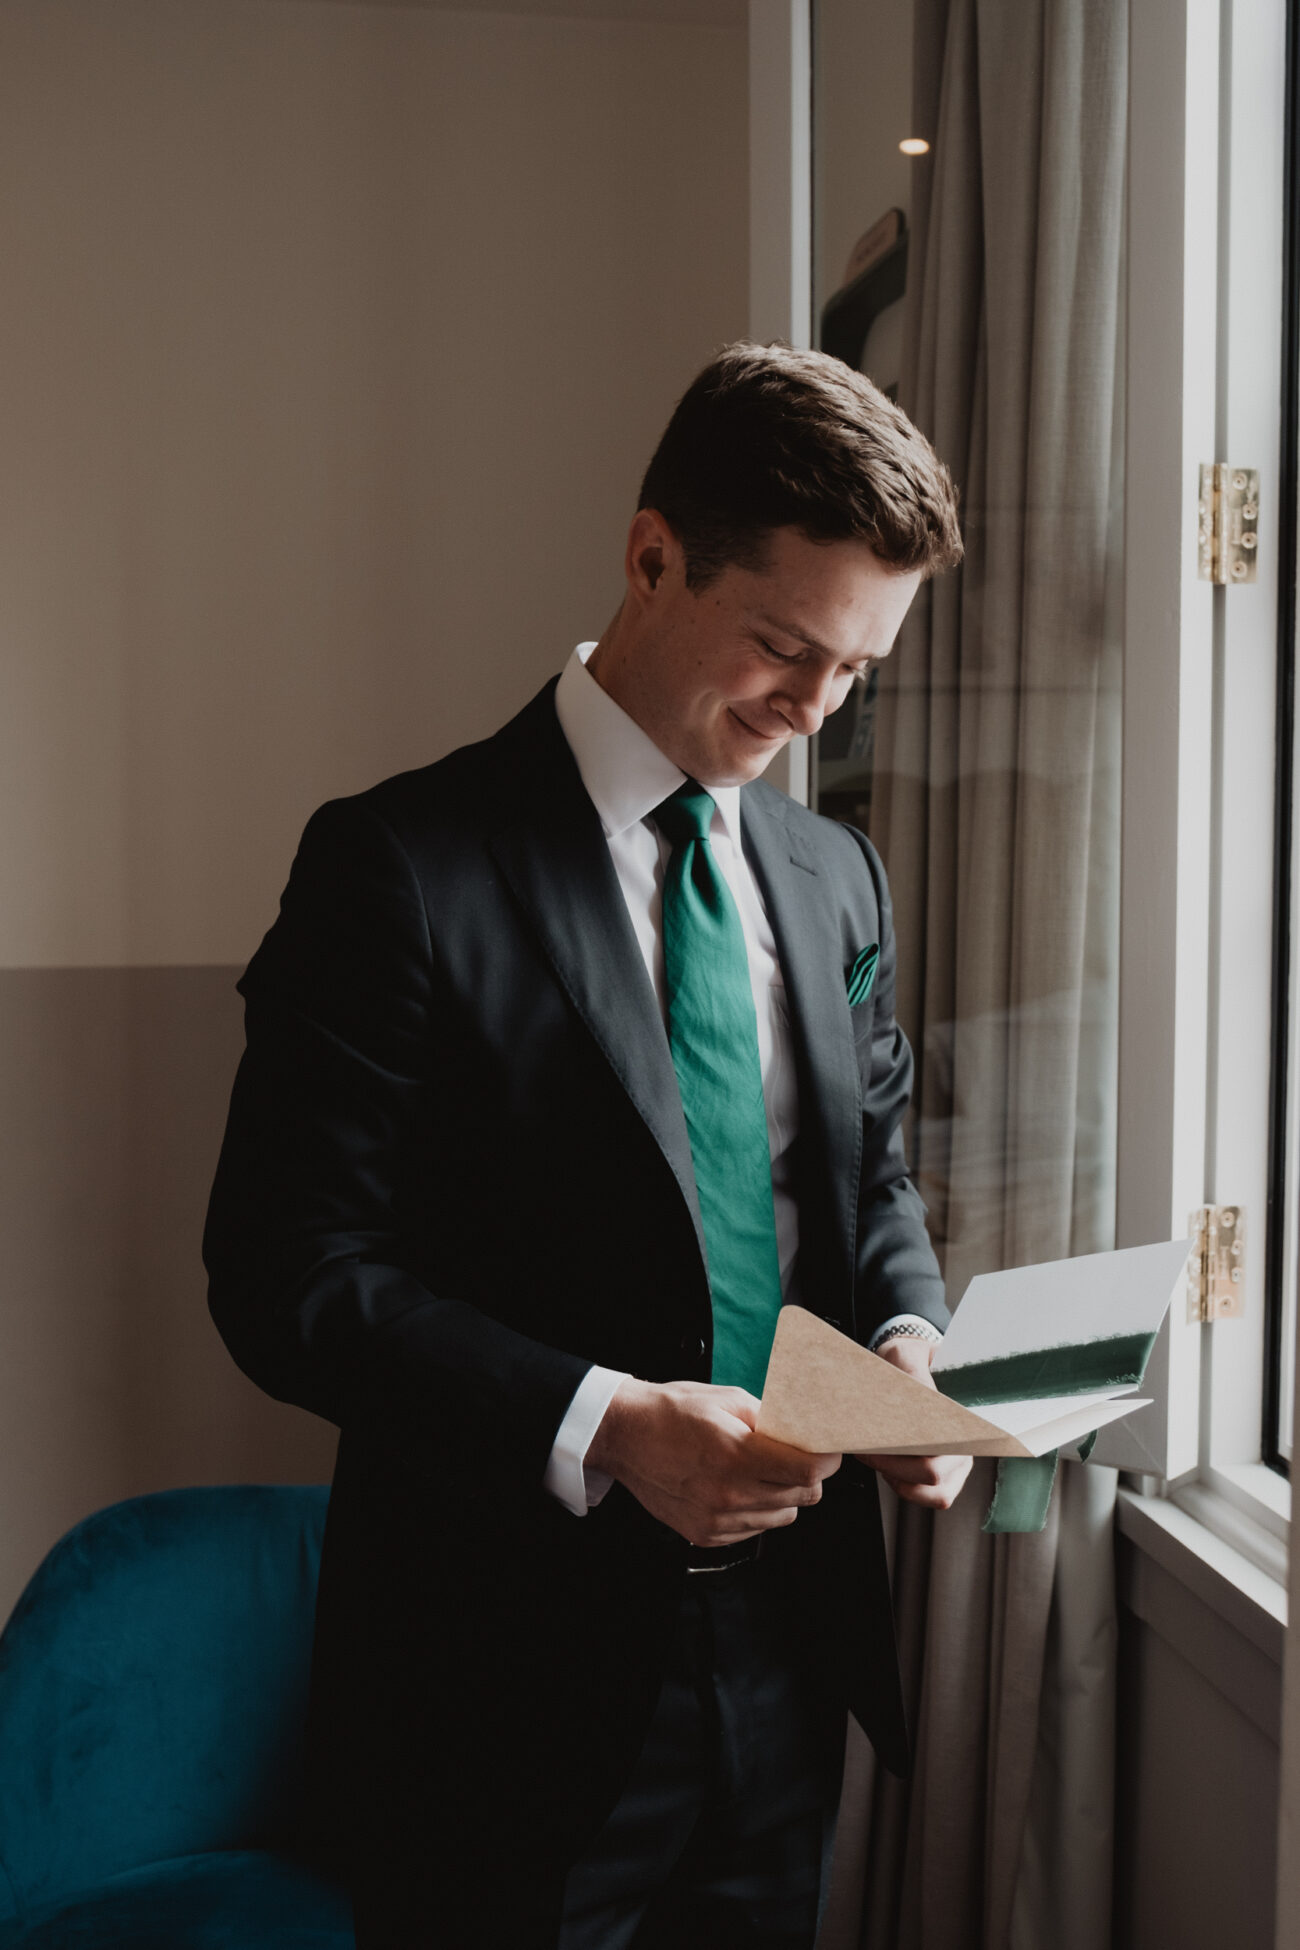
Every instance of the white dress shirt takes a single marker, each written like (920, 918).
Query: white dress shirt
(626, 777)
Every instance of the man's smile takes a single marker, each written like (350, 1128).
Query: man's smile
(766, 737)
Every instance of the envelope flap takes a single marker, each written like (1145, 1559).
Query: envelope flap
(824, 1393)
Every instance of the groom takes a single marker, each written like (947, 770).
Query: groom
(570, 1059)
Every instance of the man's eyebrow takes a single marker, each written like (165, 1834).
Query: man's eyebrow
(802, 636)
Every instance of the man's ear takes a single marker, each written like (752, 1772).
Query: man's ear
(652, 548)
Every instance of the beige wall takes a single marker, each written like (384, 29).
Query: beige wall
(333, 340)
(113, 1083)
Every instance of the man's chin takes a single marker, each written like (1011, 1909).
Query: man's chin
(752, 752)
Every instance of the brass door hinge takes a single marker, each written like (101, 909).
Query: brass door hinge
(1227, 541)
(1214, 1266)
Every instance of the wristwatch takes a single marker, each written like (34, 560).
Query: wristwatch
(911, 1330)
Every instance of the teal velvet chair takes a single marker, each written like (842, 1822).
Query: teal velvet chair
(153, 1685)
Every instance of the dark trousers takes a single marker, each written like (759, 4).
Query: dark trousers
(721, 1835)
(720, 1838)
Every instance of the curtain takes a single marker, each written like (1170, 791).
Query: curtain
(995, 802)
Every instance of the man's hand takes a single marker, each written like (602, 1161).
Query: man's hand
(689, 1452)
(933, 1481)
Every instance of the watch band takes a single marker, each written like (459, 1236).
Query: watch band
(911, 1330)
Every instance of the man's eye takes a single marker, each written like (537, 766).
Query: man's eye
(778, 656)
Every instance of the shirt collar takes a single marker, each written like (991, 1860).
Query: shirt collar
(624, 771)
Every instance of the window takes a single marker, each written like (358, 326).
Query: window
(1243, 1442)
(1181, 1008)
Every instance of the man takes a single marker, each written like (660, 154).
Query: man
(569, 1059)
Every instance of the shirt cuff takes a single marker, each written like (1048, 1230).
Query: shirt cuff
(882, 1333)
(577, 1488)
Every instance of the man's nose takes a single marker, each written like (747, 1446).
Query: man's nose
(805, 698)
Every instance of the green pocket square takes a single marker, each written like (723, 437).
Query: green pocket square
(860, 977)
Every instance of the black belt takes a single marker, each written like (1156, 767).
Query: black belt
(722, 1557)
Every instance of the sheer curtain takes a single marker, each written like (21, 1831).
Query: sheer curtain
(995, 803)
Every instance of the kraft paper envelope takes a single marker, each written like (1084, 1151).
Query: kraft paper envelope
(1086, 1324)
(826, 1394)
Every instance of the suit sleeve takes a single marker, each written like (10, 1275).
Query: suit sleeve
(309, 1238)
(896, 1270)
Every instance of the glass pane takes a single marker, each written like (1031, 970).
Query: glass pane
(980, 282)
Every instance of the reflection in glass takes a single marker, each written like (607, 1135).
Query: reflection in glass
(984, 759)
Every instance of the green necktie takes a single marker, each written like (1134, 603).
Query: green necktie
(713, 1035)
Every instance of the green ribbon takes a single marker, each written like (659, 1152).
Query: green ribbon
(1023, 1490)
(1080, 1369)
(1022, 1494)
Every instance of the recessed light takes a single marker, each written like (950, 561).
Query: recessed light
(914, 145)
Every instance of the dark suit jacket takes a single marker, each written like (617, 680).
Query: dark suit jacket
(456, 1173)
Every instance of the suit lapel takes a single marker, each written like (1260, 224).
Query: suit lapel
(555, 856)
(805, 923)
(553, 852)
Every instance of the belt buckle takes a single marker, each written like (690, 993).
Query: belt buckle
(729, 1557)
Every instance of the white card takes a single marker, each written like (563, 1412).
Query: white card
(1063, 1303)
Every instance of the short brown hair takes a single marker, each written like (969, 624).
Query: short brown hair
(767, 437)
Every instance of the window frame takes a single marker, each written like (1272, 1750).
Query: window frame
(1284, 1106)
(1230, 1482)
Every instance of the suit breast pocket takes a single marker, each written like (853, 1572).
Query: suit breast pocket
(863, 1016)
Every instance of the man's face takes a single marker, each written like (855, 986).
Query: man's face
(724, 678)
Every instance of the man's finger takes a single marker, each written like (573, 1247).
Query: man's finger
(927, 1470)
(735, 1528)
(912, 1357)
(934, 1482)
(777, 1462)
(738, 1402)
(763, 1499)
(724, 1494)
(941, 1498)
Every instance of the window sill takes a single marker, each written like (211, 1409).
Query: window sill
(1198, 1555)
(1261, 1494)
